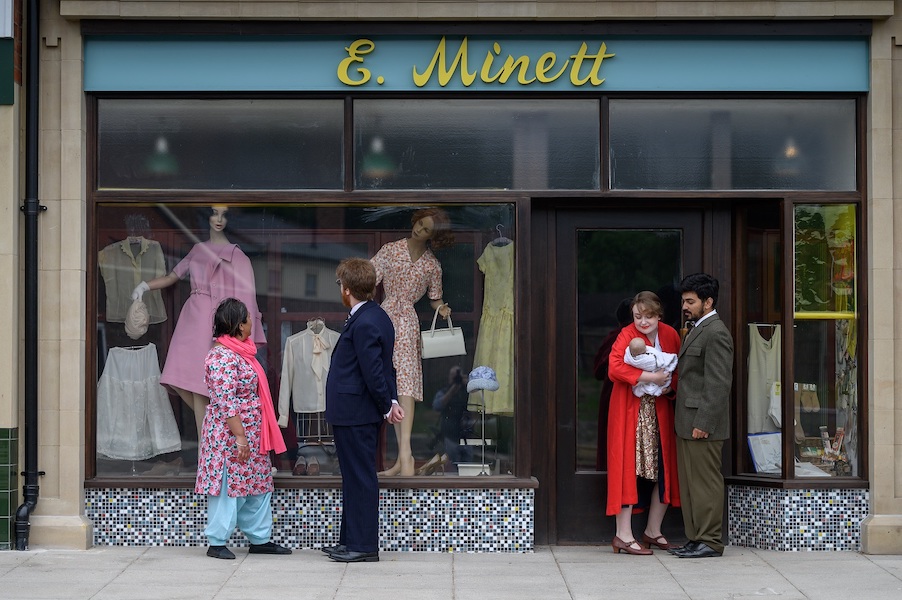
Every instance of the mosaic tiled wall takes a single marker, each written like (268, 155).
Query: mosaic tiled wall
(9, 486)
(467, 520)
(795, 520)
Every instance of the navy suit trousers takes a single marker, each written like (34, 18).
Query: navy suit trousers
(356, 449)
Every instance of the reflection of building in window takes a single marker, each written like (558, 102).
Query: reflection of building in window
(310, 285)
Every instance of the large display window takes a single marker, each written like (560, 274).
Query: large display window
(823, 400)
(280, 260)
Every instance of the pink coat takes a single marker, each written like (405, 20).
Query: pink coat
(216, 272)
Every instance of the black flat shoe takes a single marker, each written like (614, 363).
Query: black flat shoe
(690, 545)
(348, 557)
(269, 548)
(703, 551)
(334, 549)
(220, 552)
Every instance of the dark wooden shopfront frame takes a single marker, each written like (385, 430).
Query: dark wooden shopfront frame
(535, 433)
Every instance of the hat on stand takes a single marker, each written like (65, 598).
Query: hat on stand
(482, 378)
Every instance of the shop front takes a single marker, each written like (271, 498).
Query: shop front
(573, 170)
(574, 164)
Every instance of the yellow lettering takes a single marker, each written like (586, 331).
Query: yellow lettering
(356, 52)
(545, 64)
(578, 59)
(489, 59)
(444, 73)
(510, 64)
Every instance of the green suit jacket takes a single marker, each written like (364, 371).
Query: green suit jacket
(706, 376)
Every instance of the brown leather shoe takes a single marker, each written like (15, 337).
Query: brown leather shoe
(313, 466)
(649, 542)
(619, 545)
(300, 466)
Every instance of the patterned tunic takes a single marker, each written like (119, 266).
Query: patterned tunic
(405, 282)
(233, 391)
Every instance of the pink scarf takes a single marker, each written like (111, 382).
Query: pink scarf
(270, 435)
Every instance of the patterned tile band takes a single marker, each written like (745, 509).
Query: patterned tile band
(465, 520)
(795, 520)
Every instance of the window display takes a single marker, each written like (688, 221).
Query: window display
(825, 391)
(280, 261)
(823, 394)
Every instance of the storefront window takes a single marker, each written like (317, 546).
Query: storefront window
(825, 426)
(478, 144)
(825, 391)
(732, 144)
(282, 258)
(227, 144)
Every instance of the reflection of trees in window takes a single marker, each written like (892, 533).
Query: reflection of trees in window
(812, 261)
(825, 258)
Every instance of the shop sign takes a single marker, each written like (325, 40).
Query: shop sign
(475, 63)
(447, 65)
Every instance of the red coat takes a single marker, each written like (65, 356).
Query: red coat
(623, 415)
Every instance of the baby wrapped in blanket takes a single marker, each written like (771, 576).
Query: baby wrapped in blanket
(639, 355)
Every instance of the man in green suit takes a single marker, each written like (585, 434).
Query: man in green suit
(702, 418)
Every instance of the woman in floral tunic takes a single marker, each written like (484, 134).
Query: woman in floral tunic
(407, 270)
(239, 430)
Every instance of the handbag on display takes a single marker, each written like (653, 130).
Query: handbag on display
(447, 341)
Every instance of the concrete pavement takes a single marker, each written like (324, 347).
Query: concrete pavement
(550, 573)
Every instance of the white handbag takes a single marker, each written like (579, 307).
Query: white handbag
(448, 341)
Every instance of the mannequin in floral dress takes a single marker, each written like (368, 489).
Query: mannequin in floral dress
(408, 269)
(218, 270)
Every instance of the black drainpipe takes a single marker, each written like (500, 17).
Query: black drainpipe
(31, 209)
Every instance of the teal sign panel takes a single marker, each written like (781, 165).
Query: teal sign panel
(7, 64)
(477, 63)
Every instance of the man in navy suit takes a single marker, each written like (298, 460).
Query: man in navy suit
(360, 393)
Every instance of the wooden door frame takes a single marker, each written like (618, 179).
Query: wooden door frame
(716, 234)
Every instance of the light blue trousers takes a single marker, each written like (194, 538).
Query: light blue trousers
(252, 514)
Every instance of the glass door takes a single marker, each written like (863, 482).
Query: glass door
(603, 259)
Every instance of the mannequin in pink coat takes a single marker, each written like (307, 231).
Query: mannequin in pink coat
(217, 270)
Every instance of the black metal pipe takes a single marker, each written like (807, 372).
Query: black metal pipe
(31, 208)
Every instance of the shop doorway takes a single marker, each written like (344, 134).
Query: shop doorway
(602, 258)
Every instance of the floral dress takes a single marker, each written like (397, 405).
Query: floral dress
(405, 281)
(233, 391)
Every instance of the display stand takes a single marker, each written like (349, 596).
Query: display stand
(481, 468)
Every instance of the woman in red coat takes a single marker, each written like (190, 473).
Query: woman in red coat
(656, 426)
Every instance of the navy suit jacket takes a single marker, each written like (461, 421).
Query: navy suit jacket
(361, 383)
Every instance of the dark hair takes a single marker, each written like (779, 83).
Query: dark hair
(230, 314)
(442, 237)
(703, 285)
(207, 212)
(357, 275)
(623, 313)
(650, 302)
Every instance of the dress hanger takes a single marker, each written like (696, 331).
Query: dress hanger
(500, 240)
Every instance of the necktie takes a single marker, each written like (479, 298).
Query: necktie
(348, 318)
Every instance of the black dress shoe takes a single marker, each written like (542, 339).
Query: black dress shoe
(334, 549)
(269, 548)
(220, 552)
(703, 551)
(348, 556)
(690, 545)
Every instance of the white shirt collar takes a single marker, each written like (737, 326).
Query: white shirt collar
(713, 312)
